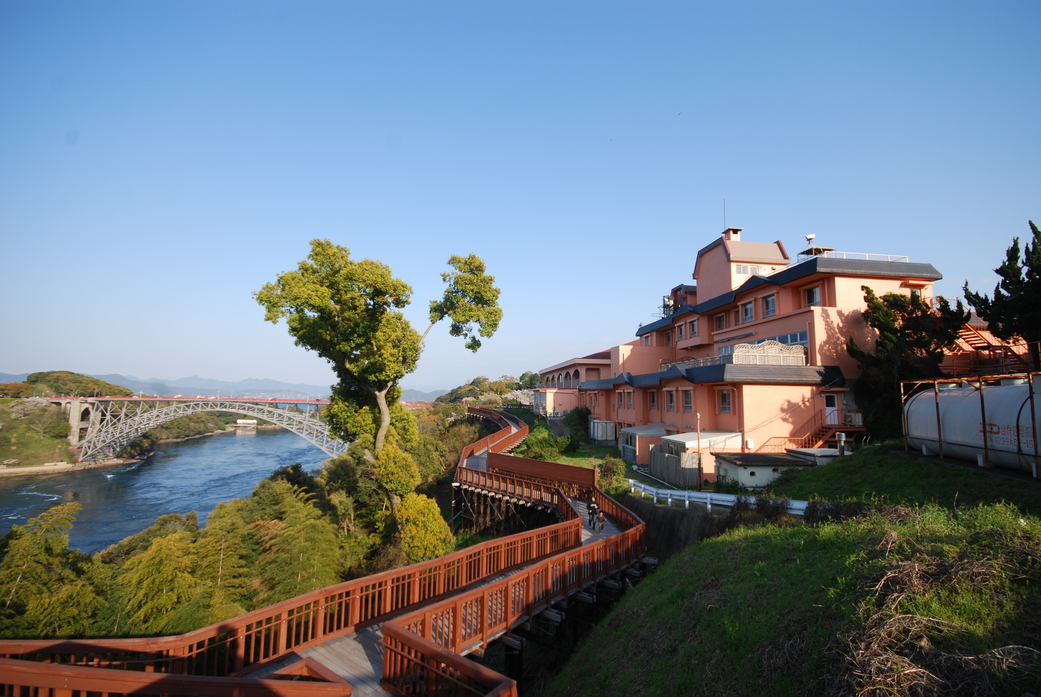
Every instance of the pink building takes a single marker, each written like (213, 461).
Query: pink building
(751, 358)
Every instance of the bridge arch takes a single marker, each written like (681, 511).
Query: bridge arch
(114, 423)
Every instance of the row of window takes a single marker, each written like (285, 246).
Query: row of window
(625, 400)
(795, 338)
(744, 314)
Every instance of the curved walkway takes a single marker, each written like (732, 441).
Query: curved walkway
(358, 657)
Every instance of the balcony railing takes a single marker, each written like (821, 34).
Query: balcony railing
(765, 353)
(856, 256)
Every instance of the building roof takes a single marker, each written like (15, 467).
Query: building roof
(709, 439)
(642, 380)
(795, 272)
(600, 357)
(739, 373)
(749, 252)
(763, 460)
(646, 431)
(736, 373)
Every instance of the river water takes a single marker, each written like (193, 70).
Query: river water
(194, 475)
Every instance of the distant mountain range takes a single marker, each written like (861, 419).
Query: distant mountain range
(196, 386)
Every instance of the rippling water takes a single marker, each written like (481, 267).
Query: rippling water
(194, 475)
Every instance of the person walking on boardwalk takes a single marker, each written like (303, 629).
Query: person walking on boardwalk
(600, 520)
(593, 510)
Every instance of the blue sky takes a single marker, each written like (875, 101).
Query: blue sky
(161, 161)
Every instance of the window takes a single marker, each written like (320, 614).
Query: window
(724, 401)
(628, 400)
(721, 322)
(670, 400)
(747, 313)
(745, 269)
(668, 338)
(737, 317)
(688, 400)
(813, 296)
(679, 332)
(646, 339)
(596, 399)
(693, 328)
(619, 400)
(769, 306)
(801, 338)
(652, 400)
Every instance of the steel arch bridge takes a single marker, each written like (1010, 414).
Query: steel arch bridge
(115, 423)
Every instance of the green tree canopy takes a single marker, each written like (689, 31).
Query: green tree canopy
(423, 532)
(38, 577)
(912, 338)
(348, 312)
(76, 385)
(1015, 309)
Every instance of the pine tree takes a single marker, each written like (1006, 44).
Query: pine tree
(1015, 309)
(912, 339)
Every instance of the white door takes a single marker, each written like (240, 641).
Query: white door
(831, 410)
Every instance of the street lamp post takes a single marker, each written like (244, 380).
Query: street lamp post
(700, 475)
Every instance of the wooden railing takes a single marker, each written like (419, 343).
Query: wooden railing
(501, 441)
(302, 679)
(422, 649)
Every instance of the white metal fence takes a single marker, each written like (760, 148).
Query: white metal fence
(706, 498)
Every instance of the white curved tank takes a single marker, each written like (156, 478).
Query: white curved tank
(1009, 433)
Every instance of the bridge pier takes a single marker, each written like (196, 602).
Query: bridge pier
(78, 412)
(489, 513)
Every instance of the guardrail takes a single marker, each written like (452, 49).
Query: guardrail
(707, 498)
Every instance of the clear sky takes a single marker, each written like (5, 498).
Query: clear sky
(161, 161)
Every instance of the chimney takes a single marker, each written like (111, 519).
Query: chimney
(733, 234)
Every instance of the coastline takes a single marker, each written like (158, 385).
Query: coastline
(58, 467)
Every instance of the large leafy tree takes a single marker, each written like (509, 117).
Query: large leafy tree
(912, 339)
(1015, 309)
(349, 312)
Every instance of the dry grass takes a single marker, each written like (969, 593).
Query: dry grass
(898, 656)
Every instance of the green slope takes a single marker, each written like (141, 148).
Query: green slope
(908, 600)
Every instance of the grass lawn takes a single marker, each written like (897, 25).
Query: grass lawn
(876, 475)
(20, 439)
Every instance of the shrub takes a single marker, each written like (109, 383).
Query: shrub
(612, 473)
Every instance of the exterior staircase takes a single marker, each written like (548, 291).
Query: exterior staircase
(998, 356)
(817, 431)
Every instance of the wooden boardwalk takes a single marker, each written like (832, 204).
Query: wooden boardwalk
(358, 657)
